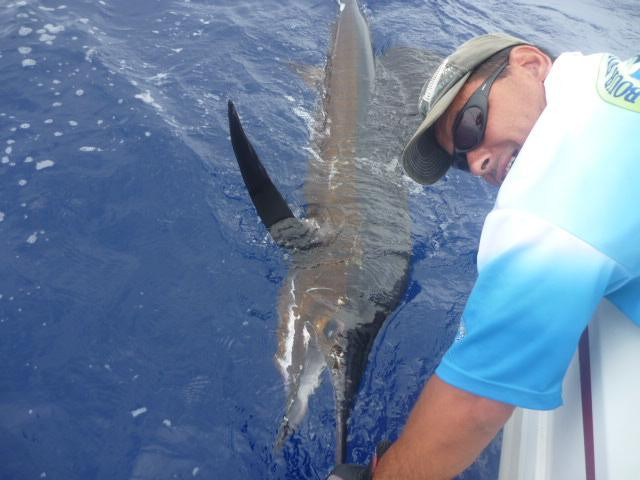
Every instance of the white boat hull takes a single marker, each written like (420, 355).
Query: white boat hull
(549, 445)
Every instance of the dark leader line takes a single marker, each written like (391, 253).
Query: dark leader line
(587, 407)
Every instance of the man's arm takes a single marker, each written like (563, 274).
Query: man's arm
(447, 430)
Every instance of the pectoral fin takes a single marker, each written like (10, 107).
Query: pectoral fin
(268, 201)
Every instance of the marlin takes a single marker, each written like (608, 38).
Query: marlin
(350, 256)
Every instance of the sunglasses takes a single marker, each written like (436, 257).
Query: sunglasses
(471, 121)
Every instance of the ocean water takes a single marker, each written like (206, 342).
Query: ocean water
(138, 288)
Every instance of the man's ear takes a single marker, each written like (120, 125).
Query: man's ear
(532, 59)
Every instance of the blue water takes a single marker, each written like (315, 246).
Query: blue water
(138, 288)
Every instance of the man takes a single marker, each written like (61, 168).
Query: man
(562, 140)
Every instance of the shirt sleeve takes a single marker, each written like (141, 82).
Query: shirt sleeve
(538, 287)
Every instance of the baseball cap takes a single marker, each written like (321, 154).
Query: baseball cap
(424, 160)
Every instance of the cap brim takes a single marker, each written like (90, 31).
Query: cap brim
(424, 160)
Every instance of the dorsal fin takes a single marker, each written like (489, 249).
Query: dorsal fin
(268, 201)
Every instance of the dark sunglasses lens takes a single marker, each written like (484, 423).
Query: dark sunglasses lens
(470, 129)
(460, 161)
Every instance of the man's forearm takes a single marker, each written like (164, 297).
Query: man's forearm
(448, 428)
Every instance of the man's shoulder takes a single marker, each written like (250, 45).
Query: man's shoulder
(578, 167)
(575, 77)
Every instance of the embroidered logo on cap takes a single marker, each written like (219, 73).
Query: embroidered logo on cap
(425, 99)
(443, 78)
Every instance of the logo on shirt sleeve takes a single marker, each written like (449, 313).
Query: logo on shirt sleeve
(619, 82)
(635, 68)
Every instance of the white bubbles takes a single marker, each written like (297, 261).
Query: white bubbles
(73, 123)
(48, 121)
(48, 33)
(57, 134)
(28, 62)
(5, 160)
(24, 31)
(33, 238)
(88, 149)
(54, 28)
(28, 160)
(160, 79)
(24, 126)
(138, 411)
(148, 99)
(46, 38)
(44, 164)
(1, 220)
(24, 50)
(145, 97)
(79, 92)
(56, 104)
(8, 150)
(22, 182)
(88, 56)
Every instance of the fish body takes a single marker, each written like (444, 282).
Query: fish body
(348, 263)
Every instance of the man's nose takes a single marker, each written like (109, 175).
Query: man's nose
(479, 161)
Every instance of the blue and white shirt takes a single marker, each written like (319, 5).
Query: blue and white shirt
(564, 233)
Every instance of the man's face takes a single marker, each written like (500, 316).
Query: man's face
(515, 103)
